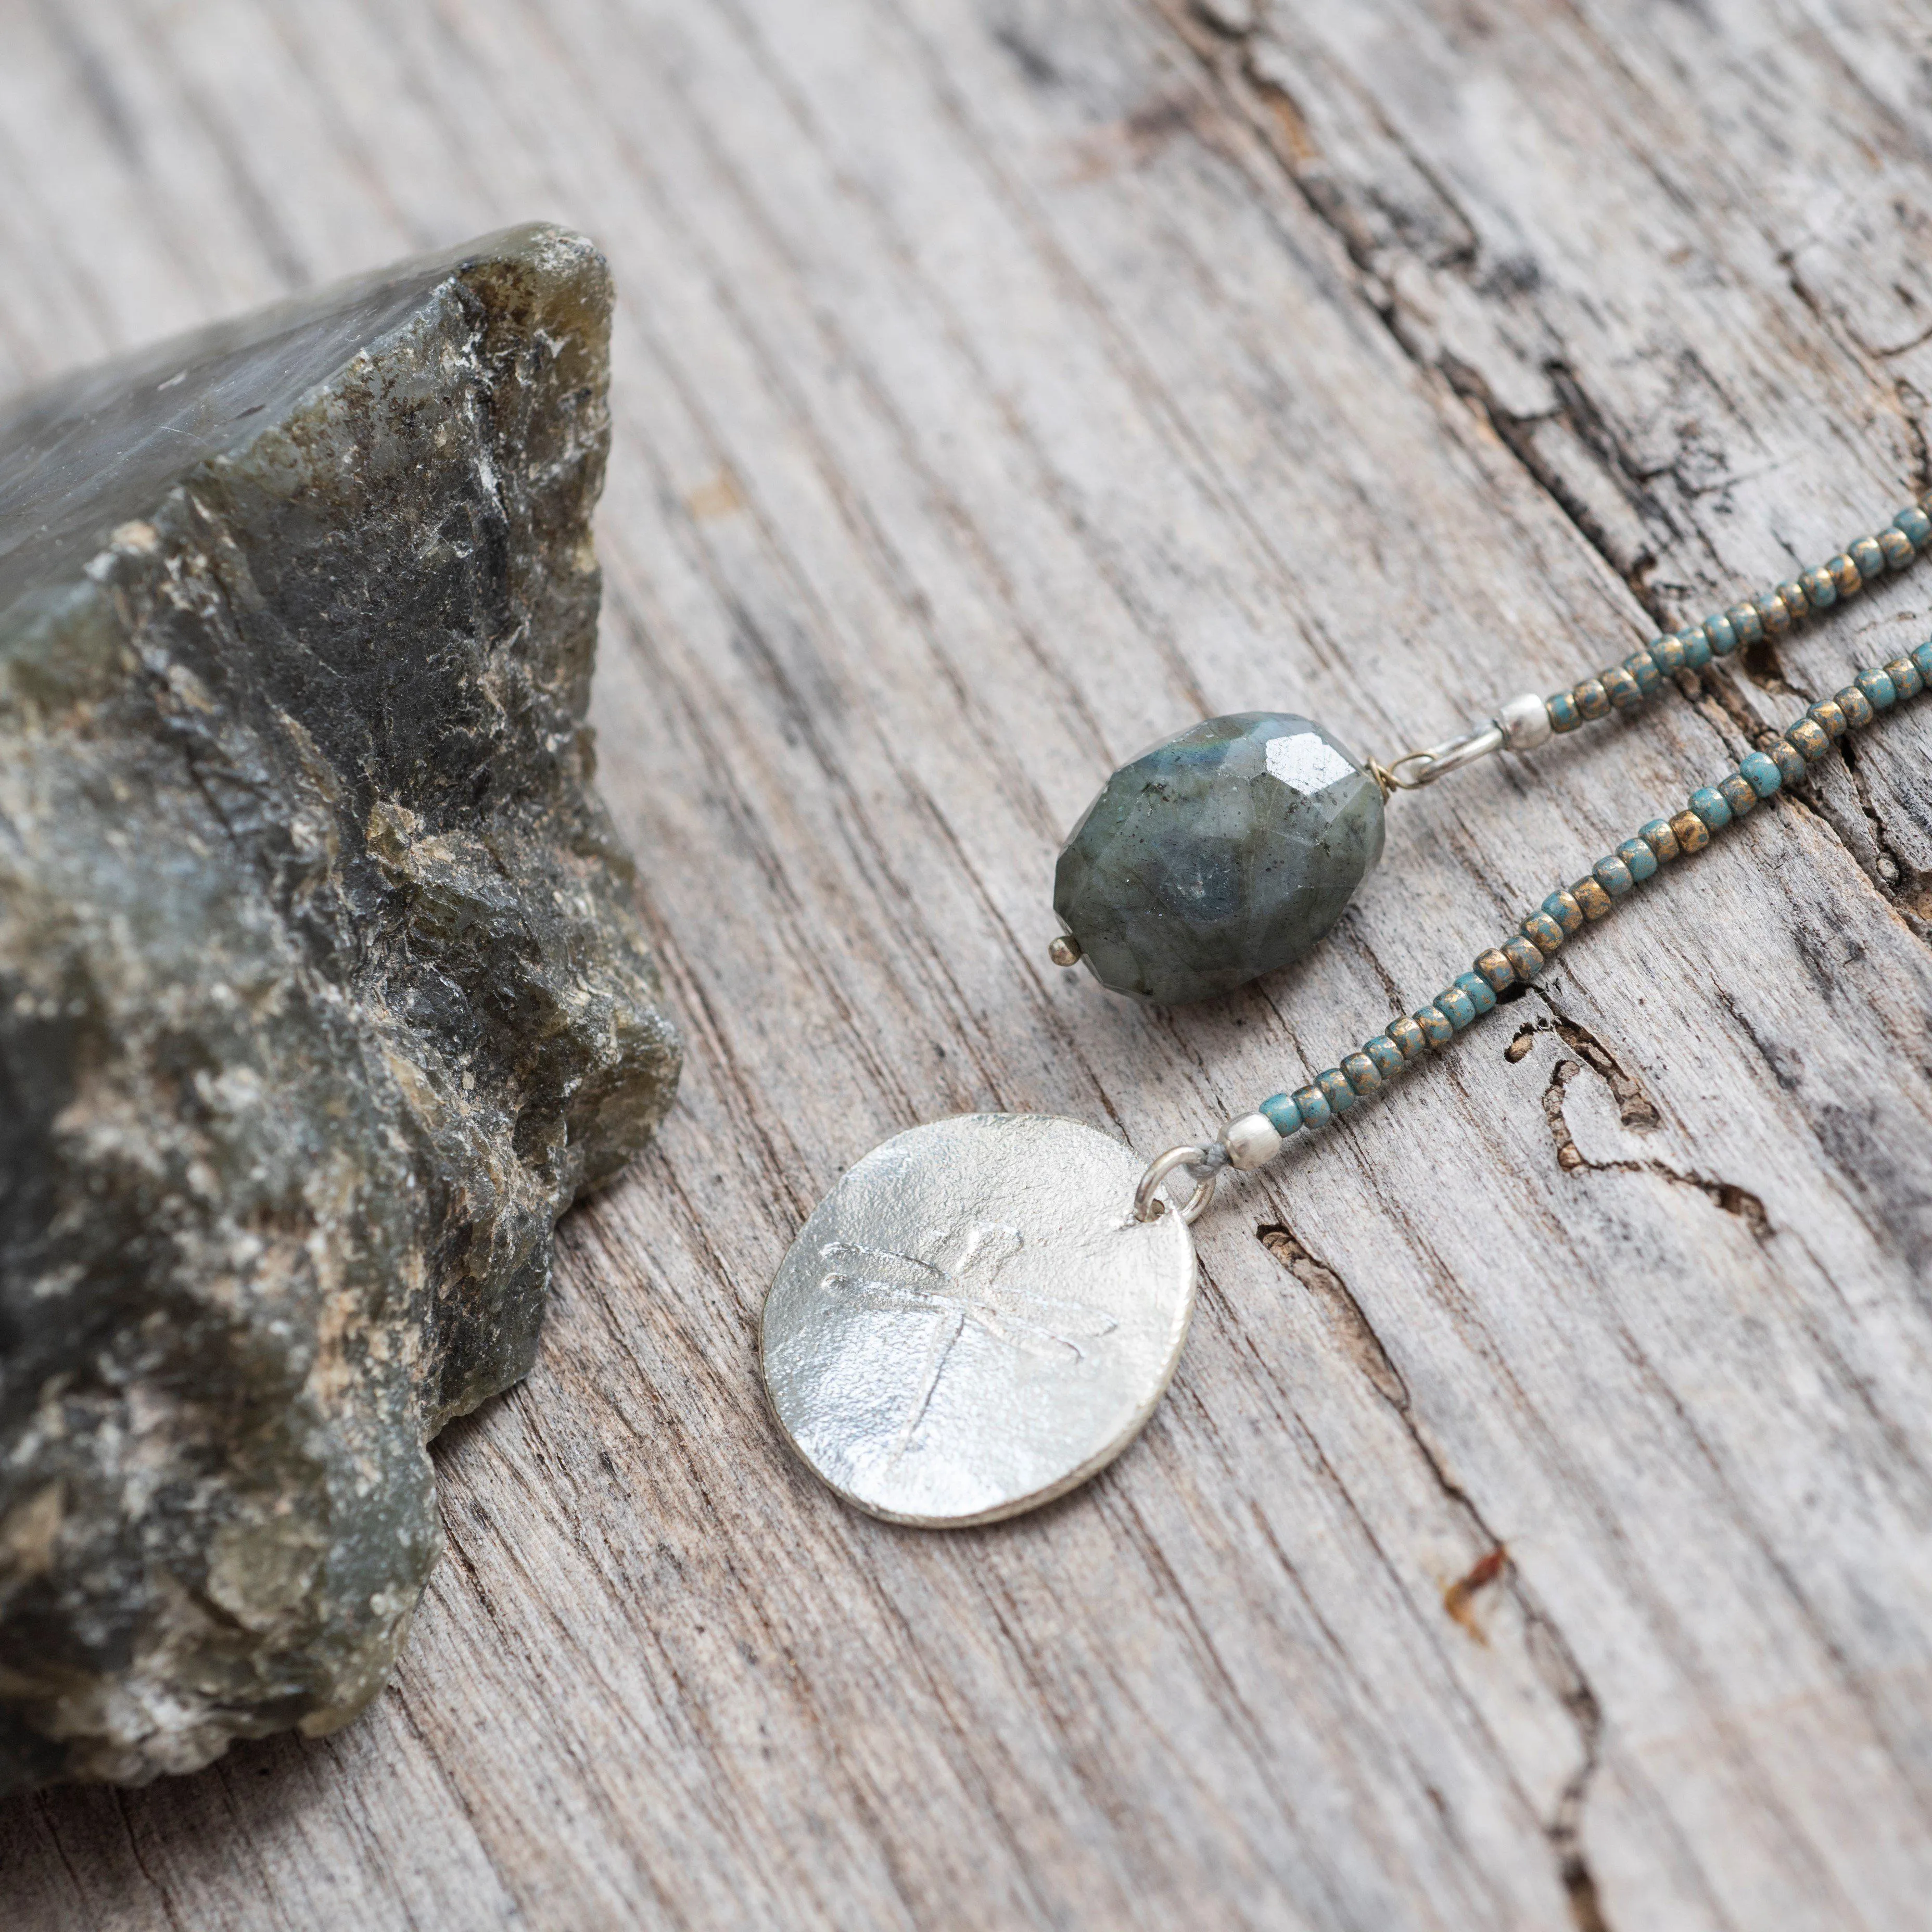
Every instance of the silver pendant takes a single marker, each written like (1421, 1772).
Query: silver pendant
(974, 1321)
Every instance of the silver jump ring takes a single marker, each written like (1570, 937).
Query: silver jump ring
(1148, 1205)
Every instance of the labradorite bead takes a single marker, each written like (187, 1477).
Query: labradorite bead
(1410, 1041)
(1457, 1007)
(1312, 1105)
(1336, 1090)
(1563, 715)
(1763, 772)
(1362, 1073)
(1661, 840)
(1789, 761)
(1282, 1114)
(1906, 679)
(1613, 875)
(1436, 1026)
(1667, 654)
(1562, 906)
(1711, 806)
(1639, 857)
(1525, 958)
(1477, 990)
(1693, 834)
(1385, 1054)
(1223, 852)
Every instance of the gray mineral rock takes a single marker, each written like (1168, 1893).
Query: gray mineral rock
(321, 990)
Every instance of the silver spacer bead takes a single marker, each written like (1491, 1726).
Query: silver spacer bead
(1525, 721)
(1064, 950)
(1251, 1141)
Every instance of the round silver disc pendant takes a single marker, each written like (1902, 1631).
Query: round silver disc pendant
(972, 1321)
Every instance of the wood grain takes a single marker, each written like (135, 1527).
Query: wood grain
(1002, 384)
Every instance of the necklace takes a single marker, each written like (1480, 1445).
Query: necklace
(984, 1312)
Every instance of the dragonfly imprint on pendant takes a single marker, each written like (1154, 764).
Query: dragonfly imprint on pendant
(960, 1285)
(972, 1320)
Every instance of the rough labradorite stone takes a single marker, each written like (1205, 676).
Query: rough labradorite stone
(1223, 852)
(322, 990)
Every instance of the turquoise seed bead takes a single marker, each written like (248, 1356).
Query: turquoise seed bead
(1773, 609)
(1739, 793)
(1915, 524)
(1336, 1090)
(1693, 834)
(1542, 932)
(1830, 714)
(1747, 623)
(1846, 574)
(1593, 701)
(1639, 857)
(1709, 805)
(1410, 1041)
(1477, 990)
(1856, 706)
(1724, 639)
(1789, 761)
(1868, 555)
(1361, 1073)
(1456, 1006)
(1524, 956)
(1384, 1053)
(1820, 592)
(1906, 679)
(1436, 1025)
(1667, 654)
(1792, 597)
(1763, 772)
(1562, 906)
(1563, 715)
(1880, 692)
(1621, 688)
(1697, 649)
(1661, 840)
(1312, 1104)
(1642, 667)
(1922, 658)
(1613, 875)
(1281, 1113)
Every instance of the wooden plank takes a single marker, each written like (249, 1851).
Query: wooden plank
(1000, 385)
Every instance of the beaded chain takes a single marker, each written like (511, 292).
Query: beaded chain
(1256, 1138)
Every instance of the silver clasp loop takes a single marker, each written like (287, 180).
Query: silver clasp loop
(1415, 769)
(1148, 1205)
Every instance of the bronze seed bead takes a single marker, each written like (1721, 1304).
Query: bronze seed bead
(1868, 557)
(1542, 932)
(1771, 608)
(1693, 834)
(1592, 898)
(1907, 679)
(1795, 601)
(1829, 715)
(1661, 840)
(1856, 706)
(1495, 970)
(1811, 738)
(1896, 548)
(1525, 958)
(1410, 1041)
(1623, 690)
(1564, 909)
(1592, 700)
(1747, 622)
(1845, 576)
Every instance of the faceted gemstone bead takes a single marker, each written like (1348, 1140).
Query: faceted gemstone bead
(1222, 853)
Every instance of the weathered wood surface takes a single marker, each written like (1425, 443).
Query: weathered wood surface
(1002, 385)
